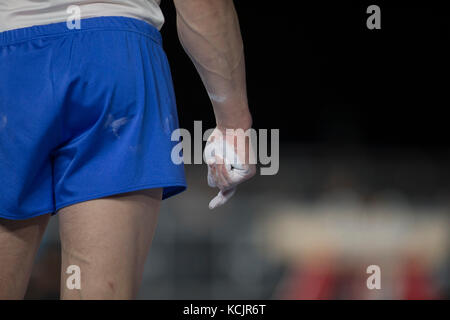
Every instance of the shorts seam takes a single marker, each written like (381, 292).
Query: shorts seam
(122, 190)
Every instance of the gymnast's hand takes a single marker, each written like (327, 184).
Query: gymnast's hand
(230, 160)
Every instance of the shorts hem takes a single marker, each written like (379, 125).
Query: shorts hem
(180, 185)
(177, 186)
(6, 215)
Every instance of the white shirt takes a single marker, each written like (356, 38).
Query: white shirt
(15, 14)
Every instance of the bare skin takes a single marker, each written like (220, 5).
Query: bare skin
(19, 242)
(109, 240)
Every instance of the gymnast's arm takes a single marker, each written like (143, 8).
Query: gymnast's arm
(210, 34)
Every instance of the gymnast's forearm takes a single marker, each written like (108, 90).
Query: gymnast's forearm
(210, 34)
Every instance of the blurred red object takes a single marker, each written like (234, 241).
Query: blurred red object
(315, 281)
(417, 281)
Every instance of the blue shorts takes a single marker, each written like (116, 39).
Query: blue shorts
(84, 114)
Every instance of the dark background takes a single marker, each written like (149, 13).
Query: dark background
(316, 72)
